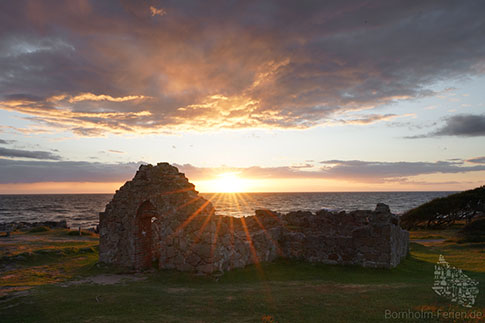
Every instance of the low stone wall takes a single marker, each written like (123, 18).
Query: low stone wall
(364, 238)
(159, 217)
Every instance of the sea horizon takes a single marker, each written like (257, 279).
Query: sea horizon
(83, 209)
(254, 192)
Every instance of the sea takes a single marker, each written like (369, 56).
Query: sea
(82, 210)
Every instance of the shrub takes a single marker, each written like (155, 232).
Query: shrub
(446, 210)
(474, 231)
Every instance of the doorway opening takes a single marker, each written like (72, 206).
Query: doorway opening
(144, 235)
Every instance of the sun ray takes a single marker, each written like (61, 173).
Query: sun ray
(259, 268)
(250, 241)
(200, 209)
(204, 224)
(266, 233)
(191, 217)
(246, 231)
(195, 199)
(202, 228)
(182, 190)
(214, 239)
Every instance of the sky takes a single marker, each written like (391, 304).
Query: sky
(261, 95)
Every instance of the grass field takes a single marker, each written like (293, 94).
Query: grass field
(53, 283)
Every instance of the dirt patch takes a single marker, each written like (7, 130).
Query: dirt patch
(428, 242)
(14, 291)
(105, 280)
(330, 288)
(179, 290)
(326, 287)
(360, 288)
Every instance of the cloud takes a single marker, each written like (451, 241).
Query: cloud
(64, 171)
(477, 160)
(116, 151)
(462, 125)
(373, 118)
(15, 171)
(349, 170)
(157, 12)
(302, 166)
(83, 123)
(377, 171)
(93, 97)
(3, 142)
(96, 67)
(17, 153)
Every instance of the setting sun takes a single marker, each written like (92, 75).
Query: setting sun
(229, 183)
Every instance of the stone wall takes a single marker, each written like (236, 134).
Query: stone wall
(159, 217)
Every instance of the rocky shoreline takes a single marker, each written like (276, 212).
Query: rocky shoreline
(27, 226)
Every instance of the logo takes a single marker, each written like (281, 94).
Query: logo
(452, 283)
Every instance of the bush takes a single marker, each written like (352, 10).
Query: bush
(474, 231)
(446, 210)
(41, 228)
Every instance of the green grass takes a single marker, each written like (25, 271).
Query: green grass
(83, 233)
(42, 228)
(283, 291)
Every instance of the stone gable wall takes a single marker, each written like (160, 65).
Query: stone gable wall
(158, 216)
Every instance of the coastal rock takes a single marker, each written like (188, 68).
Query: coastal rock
(158, 216)
(26, 226)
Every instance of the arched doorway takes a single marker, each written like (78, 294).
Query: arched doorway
(144, 235)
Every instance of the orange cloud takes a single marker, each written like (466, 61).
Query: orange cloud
(157, 12)
(93, 97)
(209, 66)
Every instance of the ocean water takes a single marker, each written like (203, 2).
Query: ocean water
(82, 209)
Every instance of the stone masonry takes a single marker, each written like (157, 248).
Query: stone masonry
(159, 218)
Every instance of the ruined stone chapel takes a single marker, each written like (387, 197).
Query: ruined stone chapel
(159, 218)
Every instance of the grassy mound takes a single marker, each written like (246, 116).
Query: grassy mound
(445, 211)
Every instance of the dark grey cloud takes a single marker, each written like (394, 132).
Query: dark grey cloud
(375, 170)
(461, 125)
(6, 142)
(236, 64)
(14, 171)
(464, 125)
(17, 153)
(477, 160)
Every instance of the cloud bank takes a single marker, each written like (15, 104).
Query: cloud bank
(477, 160)
(18, 153)
(15, 171)
(96, 67)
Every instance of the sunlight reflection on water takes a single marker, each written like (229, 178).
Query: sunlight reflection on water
(82, 209)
